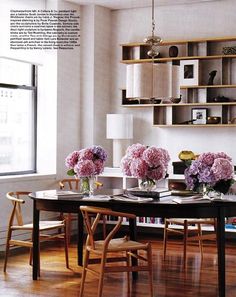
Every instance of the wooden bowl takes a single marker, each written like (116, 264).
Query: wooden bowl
(213, 120)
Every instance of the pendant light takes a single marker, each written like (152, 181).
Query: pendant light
(152, 80)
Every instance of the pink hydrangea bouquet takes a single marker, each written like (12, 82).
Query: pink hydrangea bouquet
(86, 162)
(214, 171)
(145, 163)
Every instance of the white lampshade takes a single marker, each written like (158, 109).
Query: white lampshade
(120, 129)
(119, 126)
(142, 80)
(162, 77)
(152, 80)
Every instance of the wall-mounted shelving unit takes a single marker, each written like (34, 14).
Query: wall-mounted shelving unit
(218, 99)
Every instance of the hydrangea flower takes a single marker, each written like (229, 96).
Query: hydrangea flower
(86, 162)
(215, 170)
(146, 163)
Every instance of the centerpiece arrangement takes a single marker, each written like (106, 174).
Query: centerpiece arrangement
(86, 164)
(148, 164)
(211, 173)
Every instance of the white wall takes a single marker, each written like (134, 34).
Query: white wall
(95, 74)
(212, 19)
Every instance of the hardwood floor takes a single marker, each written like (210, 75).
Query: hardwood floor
(170, 280)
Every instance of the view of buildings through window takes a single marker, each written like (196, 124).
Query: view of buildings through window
(17, 117)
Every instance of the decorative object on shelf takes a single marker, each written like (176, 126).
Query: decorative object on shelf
(120, 129)
(148, 164)
(177, 185)
(173, 51)
(189, 72)
(86, 164)
(213, 120)
(156, 101)
(232, 121)
(212, 75)
(176, 100)
(229, 50)
(209, 173)
(153, 41)
(199, 115)
(221, 99)
(186, 155)
(152, 81)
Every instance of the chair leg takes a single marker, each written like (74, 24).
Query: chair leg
(104, 219)
(185, 241)
(66, 243)
(101, 277)
(150, 271)
(85, 265)
(165, 238)
(7, 250)
(128, 263)
(69, 220)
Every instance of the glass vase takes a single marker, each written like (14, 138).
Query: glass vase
(87, 185)
(209, 192)
(146, 184)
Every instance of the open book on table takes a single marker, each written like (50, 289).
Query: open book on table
(204, 199)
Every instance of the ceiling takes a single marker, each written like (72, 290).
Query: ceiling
(124, 4)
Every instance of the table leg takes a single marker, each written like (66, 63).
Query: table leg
(221, 251)
(133, 236)
(35, 241)
(80, 238)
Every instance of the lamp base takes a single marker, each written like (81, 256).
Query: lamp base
(119, 148)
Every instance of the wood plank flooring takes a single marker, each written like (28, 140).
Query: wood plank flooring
(170, 280)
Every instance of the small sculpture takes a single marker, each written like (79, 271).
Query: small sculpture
(212, 75)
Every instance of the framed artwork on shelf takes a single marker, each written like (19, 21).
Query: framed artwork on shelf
(189, 72)
(199, 116)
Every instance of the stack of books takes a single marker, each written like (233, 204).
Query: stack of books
(155, 194)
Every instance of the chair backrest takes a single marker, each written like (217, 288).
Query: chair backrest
(17, 199)
(91, 226)
(73, 184)
(69, 183)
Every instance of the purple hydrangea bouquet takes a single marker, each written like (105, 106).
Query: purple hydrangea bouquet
(148, 164)
(86, 164)
(211, 172)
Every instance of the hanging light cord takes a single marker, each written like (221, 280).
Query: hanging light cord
(153, 19)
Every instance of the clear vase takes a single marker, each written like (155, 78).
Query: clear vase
(87, 185)
(146, 184)
(209, 192)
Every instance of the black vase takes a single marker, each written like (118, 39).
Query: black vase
(173, 51)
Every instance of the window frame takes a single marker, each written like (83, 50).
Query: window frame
(34, 89)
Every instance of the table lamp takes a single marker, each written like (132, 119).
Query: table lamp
(120, 129)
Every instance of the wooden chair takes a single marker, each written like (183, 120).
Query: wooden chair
(16, 224)
(191, 230)
(73, 184)
(113, 250)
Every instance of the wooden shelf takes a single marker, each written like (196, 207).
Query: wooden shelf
(179, 104)
(195, 126)
(136, 61)
(209, 53)
(183, 41)
(208, 87)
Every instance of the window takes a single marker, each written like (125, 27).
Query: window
(18, 95)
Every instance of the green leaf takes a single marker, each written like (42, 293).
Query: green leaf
(71, 172)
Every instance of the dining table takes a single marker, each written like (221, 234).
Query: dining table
(114, 199)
